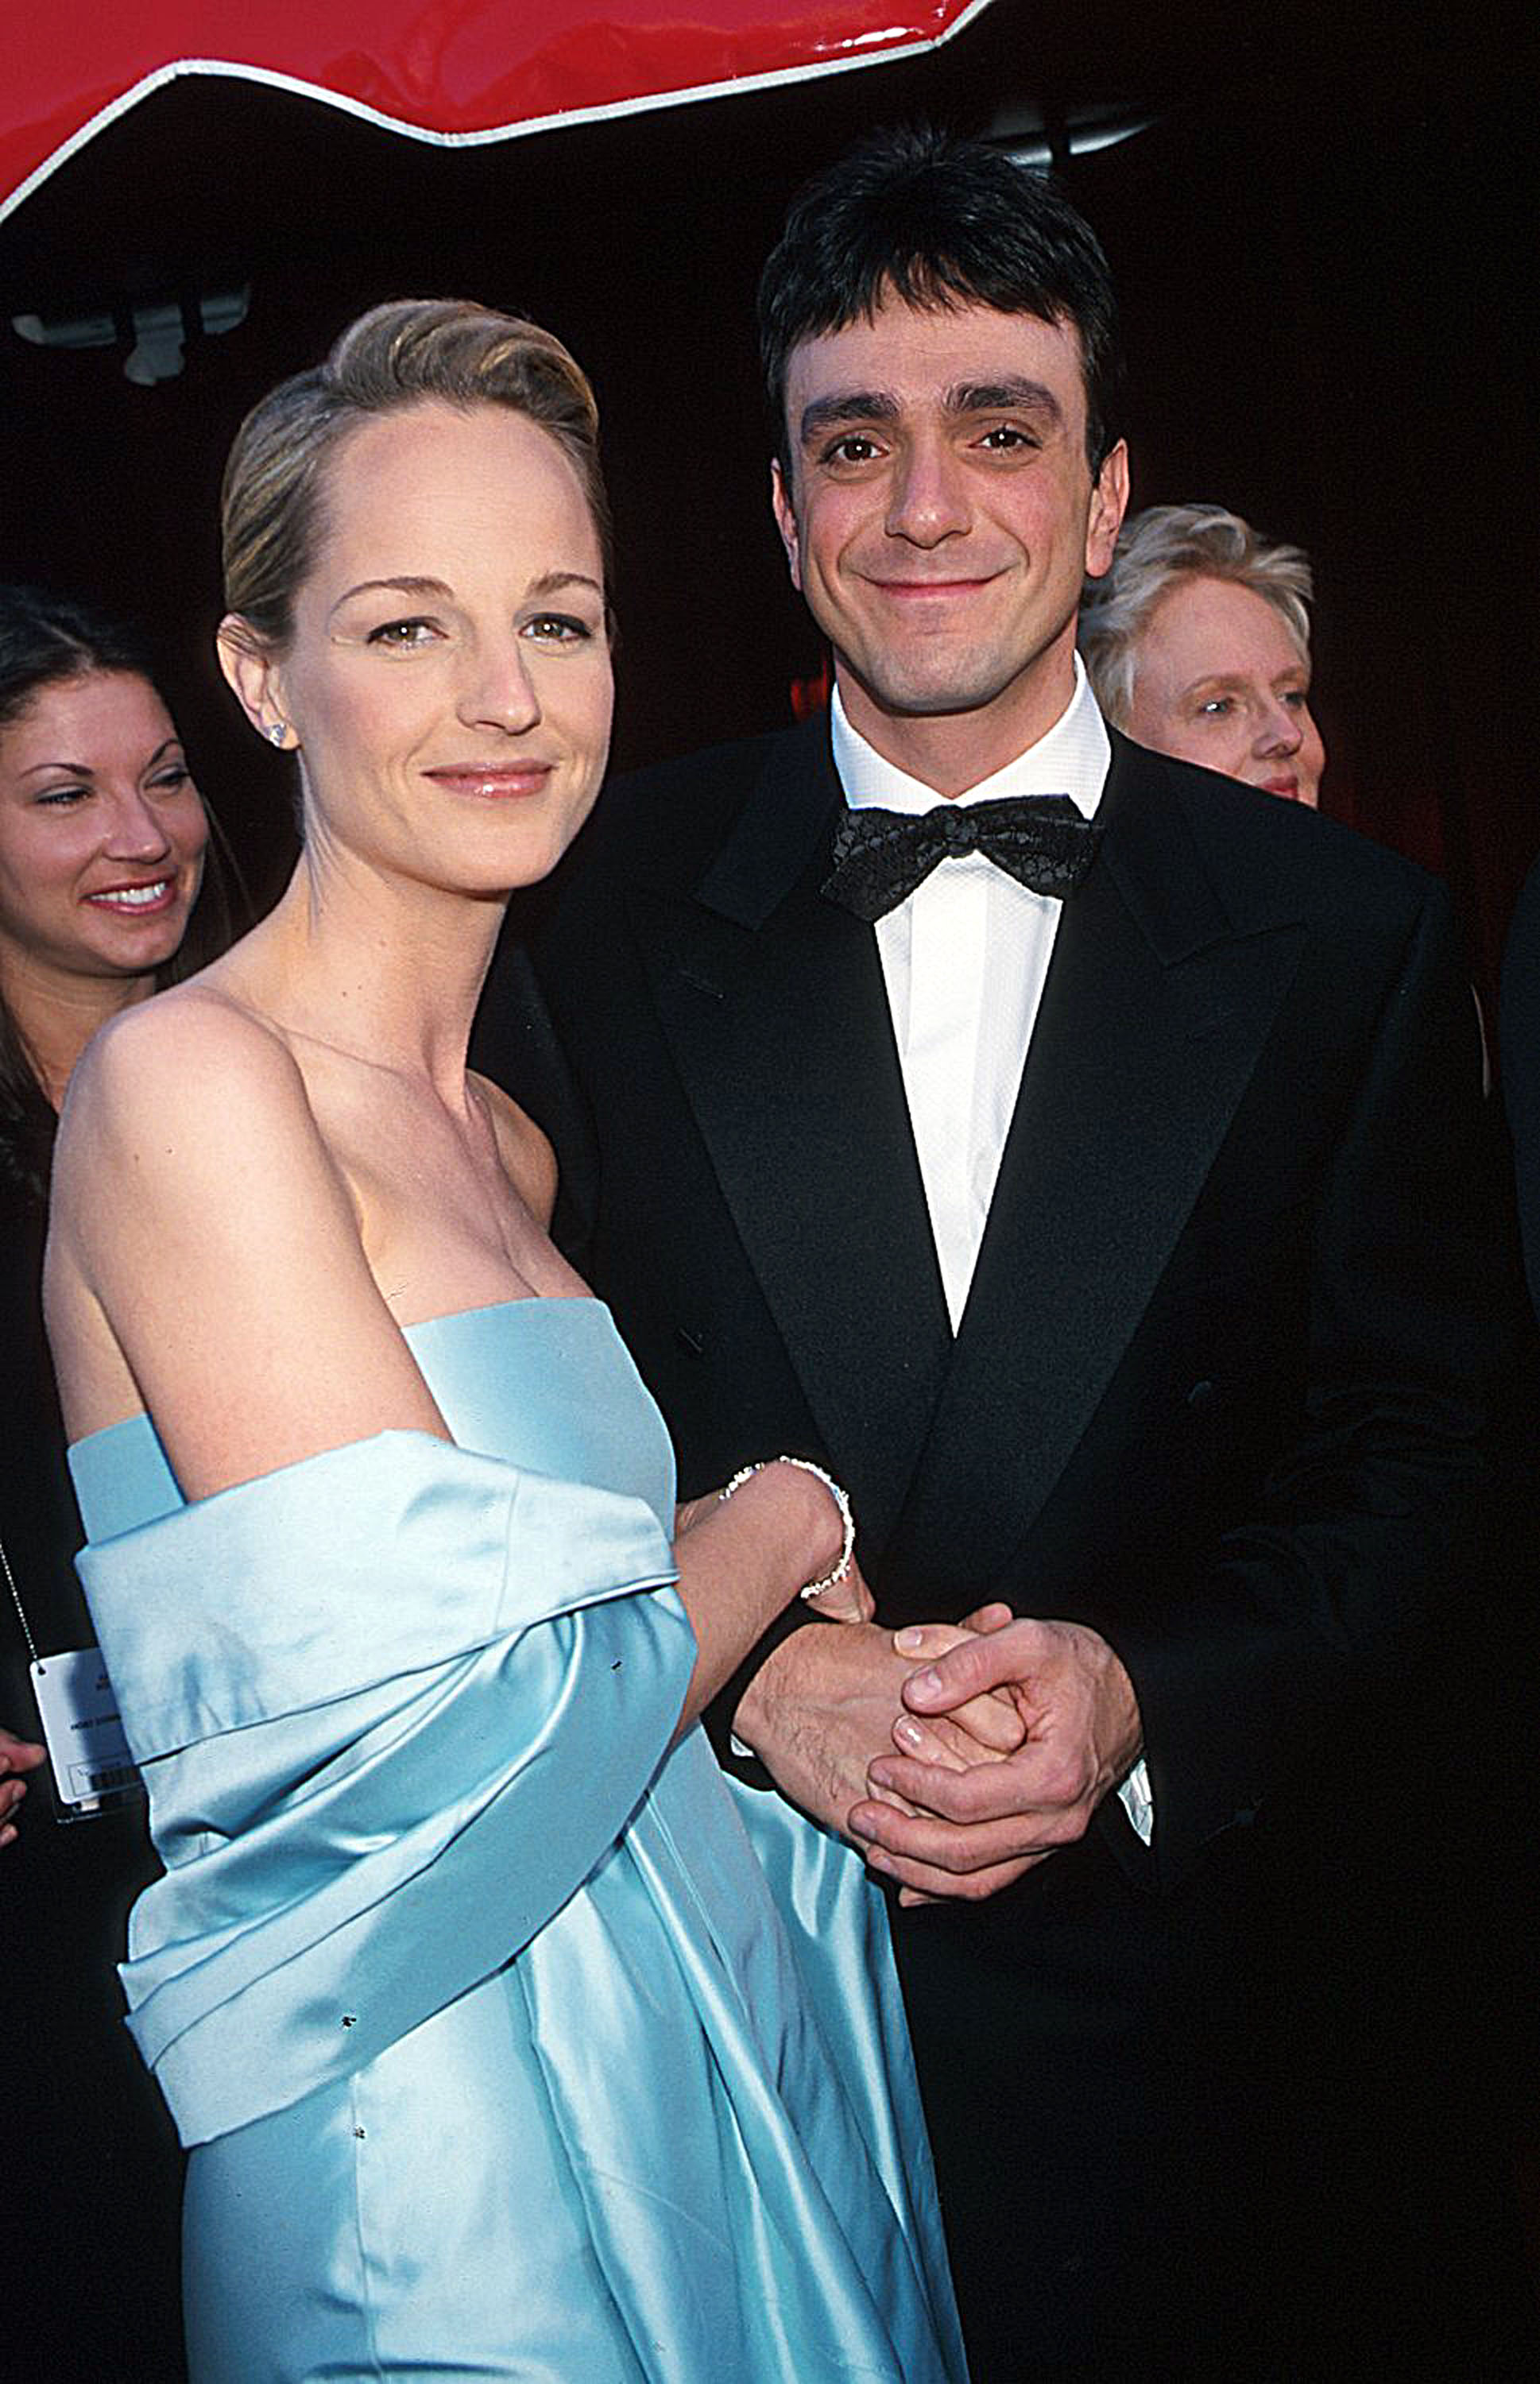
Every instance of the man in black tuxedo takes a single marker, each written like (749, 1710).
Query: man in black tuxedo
(1092, 1185)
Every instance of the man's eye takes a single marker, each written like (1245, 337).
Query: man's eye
(1006, 437)
(1297, 695)
(404, 633)
(1217, 708)
(558, 630)
(854, 448)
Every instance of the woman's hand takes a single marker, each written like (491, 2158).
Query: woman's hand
(846, 1601)
(17, 1754)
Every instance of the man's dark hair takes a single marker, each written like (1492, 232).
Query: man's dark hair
(937, 221)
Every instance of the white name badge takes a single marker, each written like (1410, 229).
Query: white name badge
(92, 1766)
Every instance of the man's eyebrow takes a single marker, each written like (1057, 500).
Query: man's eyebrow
(1015, 394)
(846, 406)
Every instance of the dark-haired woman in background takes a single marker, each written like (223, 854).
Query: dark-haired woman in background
(104, 894)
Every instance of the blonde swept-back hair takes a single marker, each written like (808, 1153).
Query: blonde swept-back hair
(1156, 548)
(398, 356)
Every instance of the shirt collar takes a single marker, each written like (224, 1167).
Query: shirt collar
(1073, 759)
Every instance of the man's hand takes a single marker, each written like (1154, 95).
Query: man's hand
(17, 1754)
(823, 1706)
(967, 1832)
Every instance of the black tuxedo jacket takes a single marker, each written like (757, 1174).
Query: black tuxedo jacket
(1520, 1047)
(1218, 1390)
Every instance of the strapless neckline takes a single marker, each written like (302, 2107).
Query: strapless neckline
(140, 1420)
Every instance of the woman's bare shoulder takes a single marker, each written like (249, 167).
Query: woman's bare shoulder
(206, 1254)
(191, 1061)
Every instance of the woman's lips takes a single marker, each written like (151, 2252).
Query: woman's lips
(145, 901)
(496, 782)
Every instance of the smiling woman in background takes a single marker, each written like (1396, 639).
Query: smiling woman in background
(102, 848)
(1198, 642)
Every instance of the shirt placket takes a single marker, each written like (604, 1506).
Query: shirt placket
(946, 995)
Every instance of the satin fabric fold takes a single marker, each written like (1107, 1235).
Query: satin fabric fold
(333, 1757)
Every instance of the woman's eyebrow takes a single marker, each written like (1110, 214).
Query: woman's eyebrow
(408, 584)
(551, 582)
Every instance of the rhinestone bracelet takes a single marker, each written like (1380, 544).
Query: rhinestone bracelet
(805, 1465)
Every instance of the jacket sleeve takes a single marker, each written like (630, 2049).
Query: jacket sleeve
(1350, 1562)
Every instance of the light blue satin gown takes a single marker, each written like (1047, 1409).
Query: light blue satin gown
(509, 2043)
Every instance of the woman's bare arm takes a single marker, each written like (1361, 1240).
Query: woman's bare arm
(744, 1560)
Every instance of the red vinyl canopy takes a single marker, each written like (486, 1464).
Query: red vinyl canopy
(451, 71)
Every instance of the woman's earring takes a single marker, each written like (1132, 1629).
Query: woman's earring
(278, 730)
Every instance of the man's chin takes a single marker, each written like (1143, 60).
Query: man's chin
(930, 694)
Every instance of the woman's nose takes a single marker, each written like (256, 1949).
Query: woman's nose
(135, 830)
(1281, 731)
(501, 690)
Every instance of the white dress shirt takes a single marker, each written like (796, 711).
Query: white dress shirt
(964, 959)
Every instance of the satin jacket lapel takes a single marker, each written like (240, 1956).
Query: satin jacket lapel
(774, 1005)
(1156, 1008)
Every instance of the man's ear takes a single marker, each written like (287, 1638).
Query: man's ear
(786, 522)
(252, 674)
(1109, 504)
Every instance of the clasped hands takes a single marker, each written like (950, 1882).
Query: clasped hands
(956, 1757)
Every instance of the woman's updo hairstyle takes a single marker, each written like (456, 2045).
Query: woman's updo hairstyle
(402, 354)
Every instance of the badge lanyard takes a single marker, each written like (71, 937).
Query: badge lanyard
(88, 1754)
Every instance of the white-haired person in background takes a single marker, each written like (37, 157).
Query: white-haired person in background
(1198, 643)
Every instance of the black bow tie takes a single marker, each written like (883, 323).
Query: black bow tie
(880, 857)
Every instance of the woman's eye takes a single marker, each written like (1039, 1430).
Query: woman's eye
(558, 630)
(64, 798)
(171, 782)
(404, 634)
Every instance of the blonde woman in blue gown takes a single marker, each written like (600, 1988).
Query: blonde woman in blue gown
(507, 2039)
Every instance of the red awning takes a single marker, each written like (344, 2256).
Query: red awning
(452, 71)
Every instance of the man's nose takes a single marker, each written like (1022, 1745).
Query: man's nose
(929, 498)
(136, 830)
(499, 690)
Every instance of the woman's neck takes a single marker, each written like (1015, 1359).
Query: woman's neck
(56, 1014)
(389, 973)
